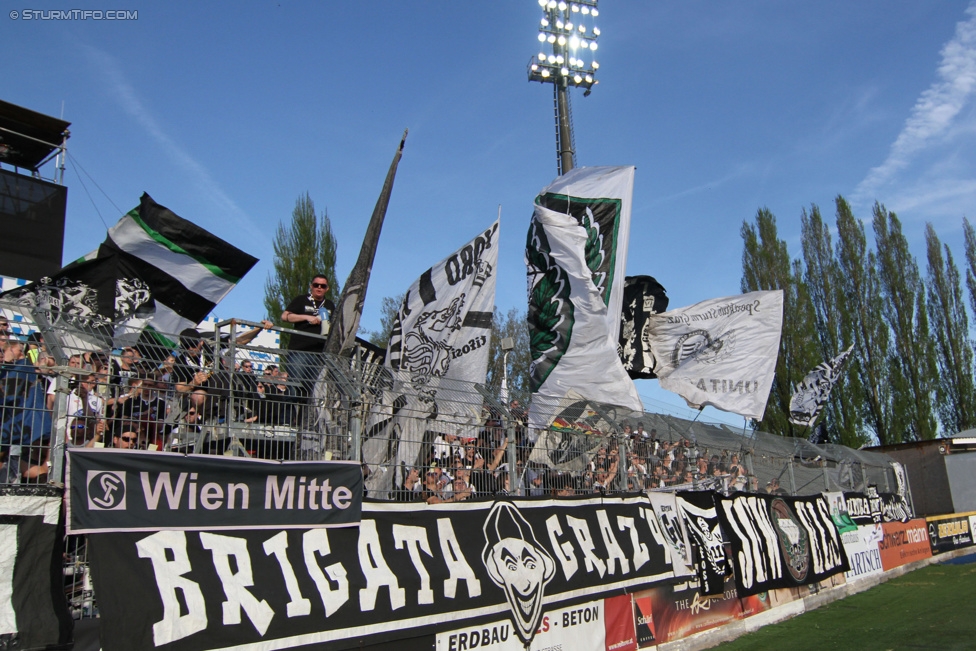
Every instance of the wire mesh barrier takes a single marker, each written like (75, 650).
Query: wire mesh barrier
(420, 438)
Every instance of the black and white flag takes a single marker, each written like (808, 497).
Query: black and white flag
(643, 295)
(811, 394)
(438, 349)
(188, 269)
(89, 301)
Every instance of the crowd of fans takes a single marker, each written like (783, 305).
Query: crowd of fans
(462, 465)
(127, 400)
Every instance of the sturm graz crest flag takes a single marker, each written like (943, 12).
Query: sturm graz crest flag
(811, 394)
(575, 255)
(643, 295)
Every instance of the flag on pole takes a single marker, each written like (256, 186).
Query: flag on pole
(349, 309)
(188, 269)
(643, 295)
(575, 256)
(810, 395)
(721, 352)
(90, 301)
(438, 349)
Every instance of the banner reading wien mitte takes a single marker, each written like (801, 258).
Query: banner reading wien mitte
(119, 490)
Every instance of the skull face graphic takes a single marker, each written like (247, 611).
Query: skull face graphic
(517, 564)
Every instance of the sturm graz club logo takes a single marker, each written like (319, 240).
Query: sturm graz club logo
(106, 490)
(793, 539)
(517, 564)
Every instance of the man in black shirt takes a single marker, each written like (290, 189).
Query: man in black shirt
(310, 315)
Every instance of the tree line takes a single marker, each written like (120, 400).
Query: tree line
(910, 377)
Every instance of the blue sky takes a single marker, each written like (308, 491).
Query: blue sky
(227, 112)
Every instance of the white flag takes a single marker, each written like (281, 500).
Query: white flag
(576, 258)
(438, 348)
(810, 395)
(720, 352)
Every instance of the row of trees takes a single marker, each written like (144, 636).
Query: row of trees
(911, 374)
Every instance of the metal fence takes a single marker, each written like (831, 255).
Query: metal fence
(65, 383)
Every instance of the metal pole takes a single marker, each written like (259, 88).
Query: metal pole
(565, 138)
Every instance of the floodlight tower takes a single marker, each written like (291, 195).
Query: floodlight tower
(568, 44)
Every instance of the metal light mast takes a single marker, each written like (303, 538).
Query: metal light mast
(568, 44)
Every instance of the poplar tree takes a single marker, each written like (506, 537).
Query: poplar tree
(302, 248)
(955, 394)
(514, 324)
(970, 235)
(841, 417)
(911, 364)
(766, 265)
(861, 314)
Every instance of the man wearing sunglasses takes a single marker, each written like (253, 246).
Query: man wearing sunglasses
(309, 315)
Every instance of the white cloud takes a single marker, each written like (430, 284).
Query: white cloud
(933, 118)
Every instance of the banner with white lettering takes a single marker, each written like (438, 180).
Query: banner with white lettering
(874, 507)
(408, 570)
(121, 490)
(780, 542)
(903, 543)
(33, 610)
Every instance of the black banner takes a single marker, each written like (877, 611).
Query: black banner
(409, 570)
(121, 490)
(705, 534)
(780, 542)
(950, 532)
(33, 610)
(874, 507)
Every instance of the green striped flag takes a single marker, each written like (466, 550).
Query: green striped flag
(188, 269)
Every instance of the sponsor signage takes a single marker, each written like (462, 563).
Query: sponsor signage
(780, 542)
(949, 532)
(863, 553)
(604, 625)
(904, 542)
(118, 490)
(407, 571)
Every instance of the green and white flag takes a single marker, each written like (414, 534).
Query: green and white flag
(188, 269)
(576, 259)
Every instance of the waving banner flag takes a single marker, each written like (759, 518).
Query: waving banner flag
(811, 394)
(345, 318)
(720, 352)
(643, 296)
(576, 258)
(92, 303)
(188, 269)
(438, 349)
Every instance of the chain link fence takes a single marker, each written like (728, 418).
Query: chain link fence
(65, 383)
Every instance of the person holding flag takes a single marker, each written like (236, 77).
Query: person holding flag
(309, 314)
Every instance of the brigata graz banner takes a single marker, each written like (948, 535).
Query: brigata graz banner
(121, 490)
(780, 542)
(408, 570)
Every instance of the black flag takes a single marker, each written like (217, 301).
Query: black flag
(345, 318)
(643, 295)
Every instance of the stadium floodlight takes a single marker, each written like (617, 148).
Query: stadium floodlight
(566, 28)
